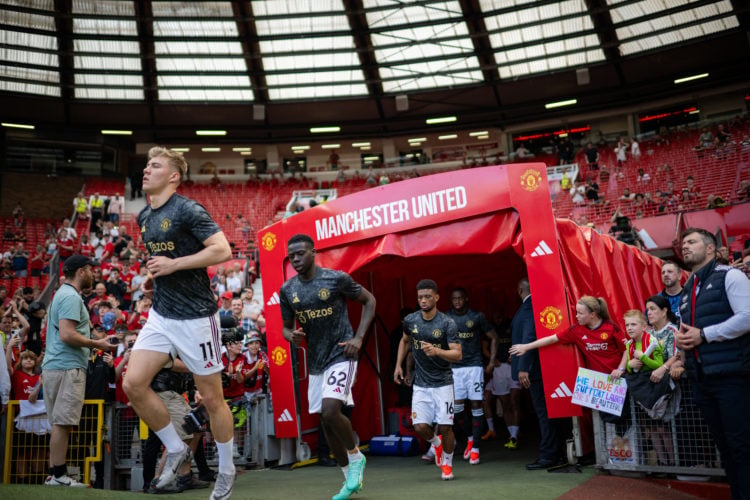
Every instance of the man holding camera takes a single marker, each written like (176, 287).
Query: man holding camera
(68, 344)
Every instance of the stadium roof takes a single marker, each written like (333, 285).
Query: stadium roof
(269, 69)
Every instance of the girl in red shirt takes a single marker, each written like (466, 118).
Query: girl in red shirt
(599, 340)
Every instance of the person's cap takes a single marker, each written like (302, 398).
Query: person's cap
(227, 295)
(75, 262)
(252, 337)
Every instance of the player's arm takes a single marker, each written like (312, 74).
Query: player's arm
(290, 334)
(216, 250)
(403, 346)
(494, 340)
(453, 354)
(353, 345)
(521, 349)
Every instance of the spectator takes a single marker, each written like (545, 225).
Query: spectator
(565, 182)
(20, 261)
(116, 287)
(234, 365)
(715, 201)
(100, 375)
(592, 157)
(577, 193)
(722, 135)
(225, 308)
(64, 365)
(627, 196)
(333, 160)
(96, 207)
(706, 139)
(691, 187)
(621, 152)
(592, 192)
(743, 193)
(522, 152)
(81, 207)
(37, 313)
(672, 292)
(566, 152)
(640, 354)
(114, 208)
(18, 216)
(235, 278)
(643, 177)
(635, 149)
(256, 365)
(251, 308)
(65, 244)
(26, 383)
(714, 336)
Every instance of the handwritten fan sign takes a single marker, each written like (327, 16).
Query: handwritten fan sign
(598, 391)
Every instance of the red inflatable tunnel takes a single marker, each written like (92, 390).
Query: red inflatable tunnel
(482, 229)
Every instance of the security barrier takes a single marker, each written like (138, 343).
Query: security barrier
(27, 444)
(679, 443)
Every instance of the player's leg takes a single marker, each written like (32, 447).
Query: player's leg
(462, 427)
(338, 381)
(222, 429)
(197, 342)
(444, 404)
(423, 417)
(475, 381)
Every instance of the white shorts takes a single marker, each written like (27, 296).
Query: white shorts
(501, 382)
(196, 341)
(335, 383)
(468, 382)
(432, 405)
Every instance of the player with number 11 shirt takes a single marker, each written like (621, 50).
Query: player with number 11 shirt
(316, 299)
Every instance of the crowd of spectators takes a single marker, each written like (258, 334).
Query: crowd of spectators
(621, 179)
(118, 308)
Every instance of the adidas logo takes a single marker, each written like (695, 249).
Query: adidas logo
(710, 285)
(562, 391)
(584, 337)
(285, 416)
(541, 249)
(274, 300)
(337, 390)
(209, 365)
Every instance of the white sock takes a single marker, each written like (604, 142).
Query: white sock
(491, 424)
(435, 441)
(356, 456)
(170, 439)
(513, 430)
(226, 456)
(345, 470)
(447, 458)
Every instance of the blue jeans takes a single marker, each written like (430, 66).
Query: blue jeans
(725, 404)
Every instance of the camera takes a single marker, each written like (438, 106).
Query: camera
(131, 343)
(114, 340)
(196, 420)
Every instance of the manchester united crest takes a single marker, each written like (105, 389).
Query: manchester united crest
(278, 355)
(469, 324)
(269, 241)
(166, 223)
(604, 336)
(437, 333)
(531, 179)
(323, 294)
(550, 317)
